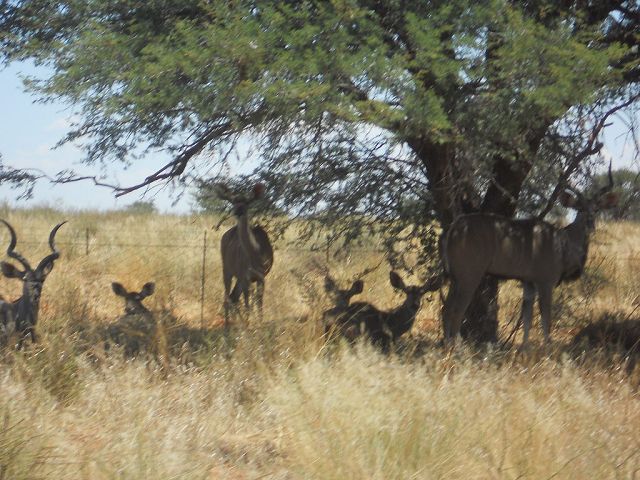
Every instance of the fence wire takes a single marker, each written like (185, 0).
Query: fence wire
(132, 250)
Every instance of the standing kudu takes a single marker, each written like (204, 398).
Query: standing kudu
(20, 317)
(385, 327)
(247, 254)
(532, 251)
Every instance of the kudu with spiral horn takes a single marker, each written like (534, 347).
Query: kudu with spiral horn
(532, 251)
(247, 254)
(20, 317)
(384, 327)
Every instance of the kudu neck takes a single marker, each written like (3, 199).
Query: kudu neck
(28, 305)
(405, 315)
(136, 309)
(577, 245)
(245, 235)
(580, 229)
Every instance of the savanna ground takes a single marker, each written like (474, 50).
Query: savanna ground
(276, 401)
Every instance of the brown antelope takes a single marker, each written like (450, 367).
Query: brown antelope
(340, 298)
(532, 251)
(340, 301)
(385, 327)
(247, 254)
(133, 300)
(136, 327)
(20, 317)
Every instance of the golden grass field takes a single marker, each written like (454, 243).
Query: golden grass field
(276, 401)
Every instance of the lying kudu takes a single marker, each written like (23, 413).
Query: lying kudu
(532, 251)
(332, 318)
(385, 327)
(247, 254)
(20, 317)
(136, 328)
(340, 298)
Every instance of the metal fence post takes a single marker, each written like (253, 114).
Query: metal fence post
(86, 242)
(203, 278)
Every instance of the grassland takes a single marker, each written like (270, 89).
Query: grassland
(276, 401)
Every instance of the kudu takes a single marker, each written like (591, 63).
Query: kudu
(247, 254)
(133, 300)
(340, 299)
(135, 329)
(532, 251)
(20, 317)
(384, 327)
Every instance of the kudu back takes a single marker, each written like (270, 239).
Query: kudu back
(385, 327)
(21, 316)
(532, 251)
(247, 253)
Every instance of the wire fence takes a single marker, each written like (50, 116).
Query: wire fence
(114, 245)
(203, 243)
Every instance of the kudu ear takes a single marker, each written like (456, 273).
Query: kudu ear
(396, 281)
(357, 287)
(11, 271)
(118, 289)
(147, 289)
(329, 284)
(609, 200)
(568, 199)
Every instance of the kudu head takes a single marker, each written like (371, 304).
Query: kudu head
(240, 202)
(133, 300)
(414, 293)
(588, 206)
(32, 278)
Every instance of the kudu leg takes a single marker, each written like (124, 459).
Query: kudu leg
(259, 297)
(227, 300)
(455, 306)
(245, 294)
(30, 332)
(544, 301)
(528, 298)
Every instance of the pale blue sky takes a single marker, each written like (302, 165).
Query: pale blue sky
(29, 131)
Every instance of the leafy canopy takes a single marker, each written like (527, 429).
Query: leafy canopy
(388, 113)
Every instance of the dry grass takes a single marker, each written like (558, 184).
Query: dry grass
(273, 401)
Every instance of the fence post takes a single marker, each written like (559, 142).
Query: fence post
(86, 240)
(203, 277)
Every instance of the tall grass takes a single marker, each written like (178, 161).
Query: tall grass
(273, 400)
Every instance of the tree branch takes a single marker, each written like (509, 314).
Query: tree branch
(592, 147)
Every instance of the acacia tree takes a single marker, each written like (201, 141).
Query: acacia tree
(377, 116)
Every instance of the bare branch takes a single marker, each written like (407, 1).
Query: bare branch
(177, 166)
(592, 147)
